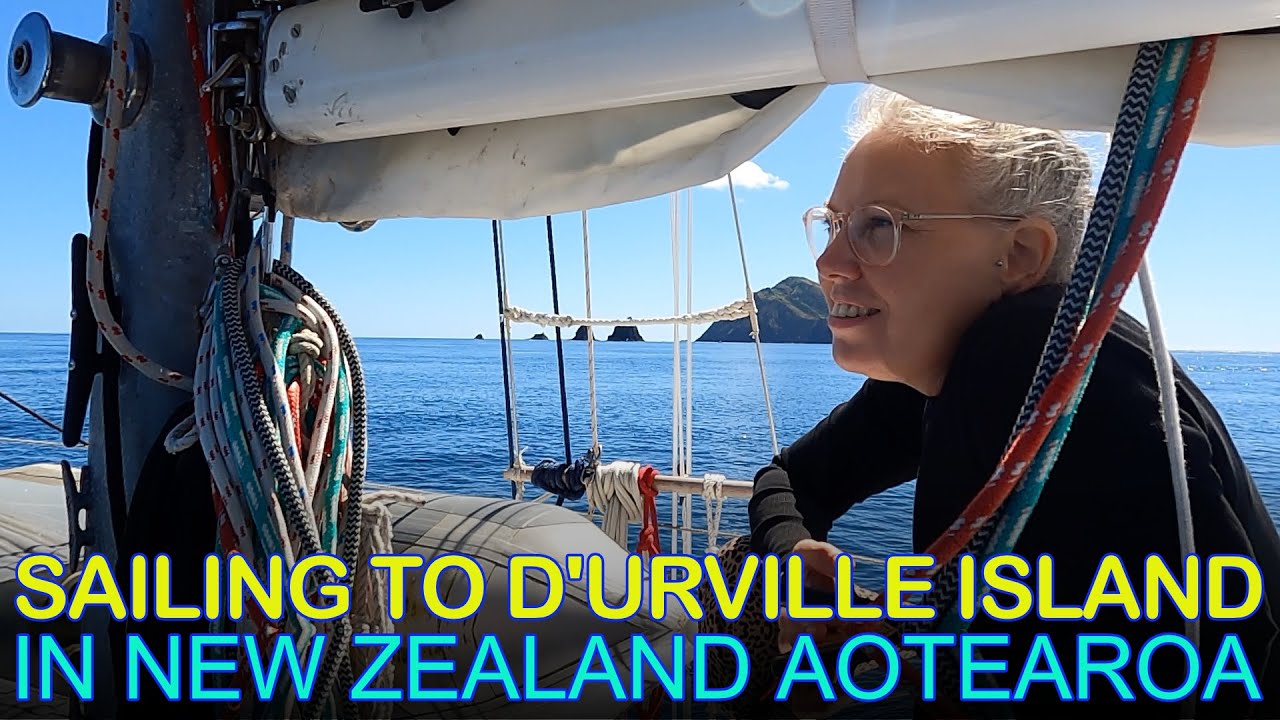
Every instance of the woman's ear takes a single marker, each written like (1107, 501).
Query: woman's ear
(1033, 244)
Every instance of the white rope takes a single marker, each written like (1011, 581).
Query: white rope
(615, 491)
(369, 593)
(677, 432)
(183, 435)
(732, 311)
(755, 321)
(713, 496)
(112, 332)
(688, 330)
(591, 350)
(1172, 426)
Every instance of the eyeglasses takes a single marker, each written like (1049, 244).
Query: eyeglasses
(874, 232)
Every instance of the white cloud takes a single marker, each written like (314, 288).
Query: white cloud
(750, 176)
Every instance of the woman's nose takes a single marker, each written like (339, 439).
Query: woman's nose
(838, 261)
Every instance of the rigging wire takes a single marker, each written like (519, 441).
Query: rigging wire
(507, 393)
(10, 399)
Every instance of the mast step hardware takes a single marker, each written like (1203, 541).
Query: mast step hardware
(47, 64)
(80, 537)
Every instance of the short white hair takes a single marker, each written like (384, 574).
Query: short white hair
(1016, 170)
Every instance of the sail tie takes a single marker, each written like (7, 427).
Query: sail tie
(567, 480)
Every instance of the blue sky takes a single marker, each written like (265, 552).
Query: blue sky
(1215, 257)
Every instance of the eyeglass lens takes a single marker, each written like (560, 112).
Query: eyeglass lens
(871, 232)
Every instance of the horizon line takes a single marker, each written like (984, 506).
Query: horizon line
(626, 342)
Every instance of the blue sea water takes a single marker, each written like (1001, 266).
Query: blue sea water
(437, 418)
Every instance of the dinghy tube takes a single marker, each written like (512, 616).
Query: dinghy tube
(489, 530)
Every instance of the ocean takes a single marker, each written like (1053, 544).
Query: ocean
(437, 418)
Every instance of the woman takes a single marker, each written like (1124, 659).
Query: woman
(943, 252)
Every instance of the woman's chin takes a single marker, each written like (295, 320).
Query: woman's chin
(856, 358)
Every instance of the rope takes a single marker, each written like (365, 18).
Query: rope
(1172, 426)
(555, 304)
(101, 214)
(280, 412)
(591, 350)
(1054, 409)
(677, 430)
(964, 534)
(649, 543)
(755, 320)
(218, 180)
(615, 490)
(732, 311)
(508, 393)
(29, 441)
(1036, 448)
(369, 591)
(54, 426)
(713, 496)
(688, 329)
(514, 420)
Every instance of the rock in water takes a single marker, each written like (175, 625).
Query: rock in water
(625, 333)
(793, 311)
(581, 334)
(540, 336)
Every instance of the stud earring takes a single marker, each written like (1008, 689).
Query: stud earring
(999, 263)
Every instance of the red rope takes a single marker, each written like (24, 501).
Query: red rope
(213, 143)
(1082, 350)
(650, 542)
(295, 410)
(1022, 451)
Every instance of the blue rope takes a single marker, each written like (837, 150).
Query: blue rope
(555, 308)
(566, 480)
(1022, 502)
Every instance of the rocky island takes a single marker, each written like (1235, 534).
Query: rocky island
(581, 334)
(793, 311)
(625, 333)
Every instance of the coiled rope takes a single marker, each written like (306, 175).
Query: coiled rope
(280, 411)
(615, 491)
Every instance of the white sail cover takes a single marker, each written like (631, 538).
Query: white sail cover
(497, 109)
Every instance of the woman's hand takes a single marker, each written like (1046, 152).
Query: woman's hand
(820, 570)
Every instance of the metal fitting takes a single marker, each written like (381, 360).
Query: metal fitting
(47, 64)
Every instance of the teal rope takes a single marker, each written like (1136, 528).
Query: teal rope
(1022, 502)
(249, 467)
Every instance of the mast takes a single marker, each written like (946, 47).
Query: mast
(161, 244)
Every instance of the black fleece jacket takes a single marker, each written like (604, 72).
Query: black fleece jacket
(1109, 492)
